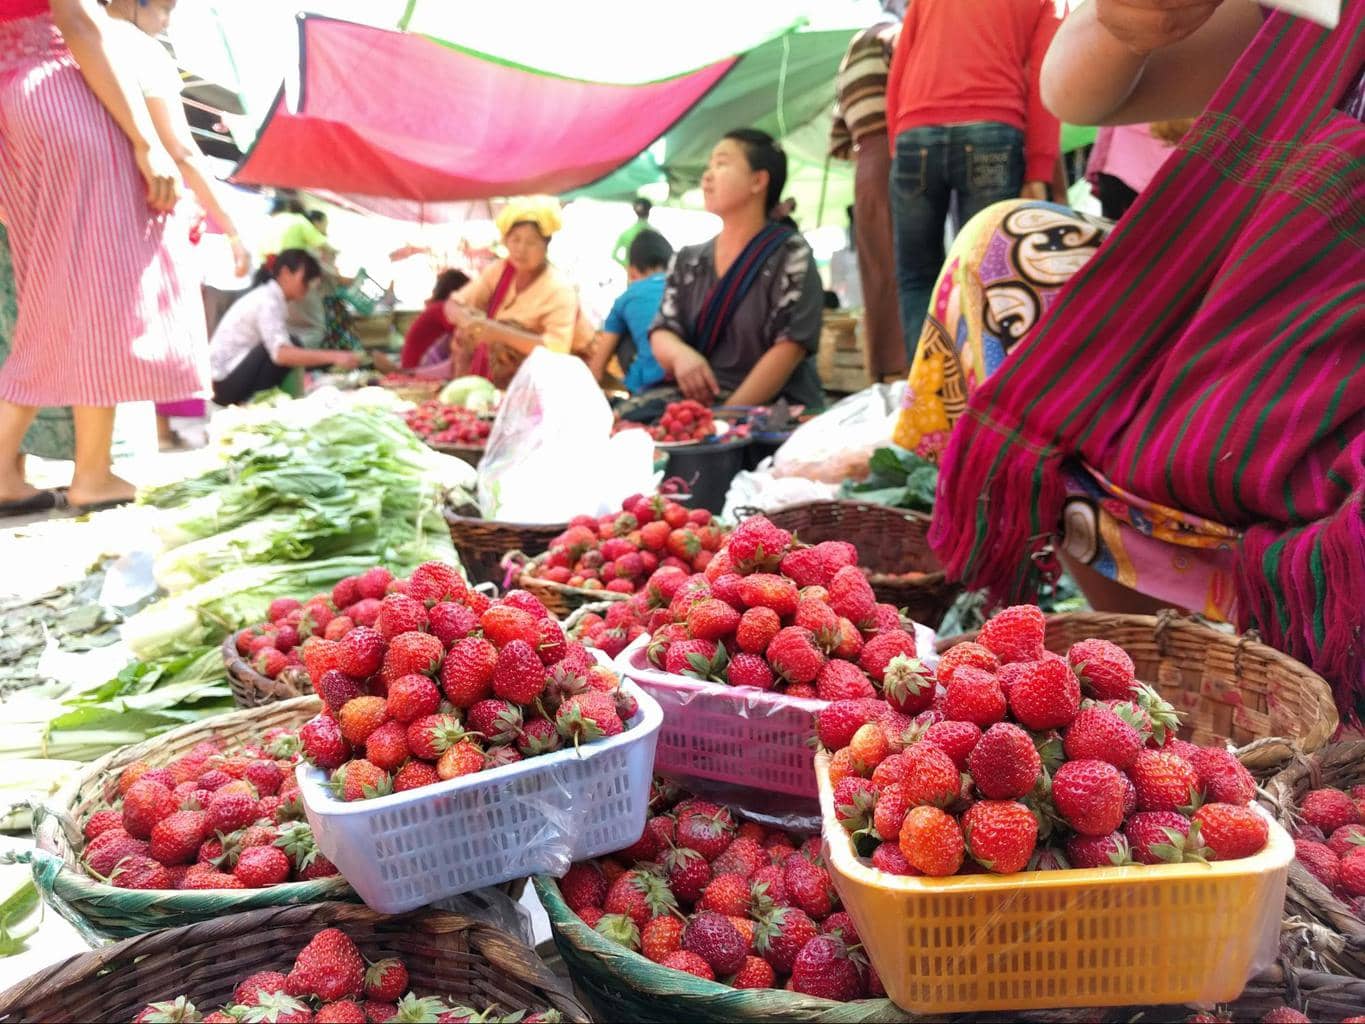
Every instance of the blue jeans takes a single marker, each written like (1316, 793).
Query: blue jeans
(973, 164)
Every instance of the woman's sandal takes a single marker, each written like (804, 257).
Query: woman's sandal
(43, 501)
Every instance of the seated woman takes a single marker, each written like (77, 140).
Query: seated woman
(1177, 410)
(519, 302)
(428, 337)
(251, 350)
(741, 314)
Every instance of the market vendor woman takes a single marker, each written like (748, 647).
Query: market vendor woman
(741, 314)
(518, 303)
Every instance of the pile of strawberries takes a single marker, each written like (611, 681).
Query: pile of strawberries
(775, 615)
(618, 552)
(1329, 842)
(274, 647)
(210, 819)
(434, 421)
(684, 421)
(444, 682)
(736, 903)
(331, 982)
(1011, 757)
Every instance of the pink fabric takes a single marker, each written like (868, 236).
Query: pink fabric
(12, 10)
(459, 126)
(102, 315)
(1129, 152)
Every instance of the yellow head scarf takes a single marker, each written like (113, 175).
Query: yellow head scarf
(542, 211)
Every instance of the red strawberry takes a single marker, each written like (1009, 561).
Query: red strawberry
(854, 799)
(361, 652)
(661, 937)
(412, 654)
(146, 802)
(461, 759)
(346, 1011)
(697, 659)
(842, 680)
(687, 872)
(1231, 831)
(329, 967)
(519, 675)
(974, 696)
(1286, 1015)
(269, 662)
(1089, 795)
(1352, 873)
(139, 872)
(1104, 669)
(808, 887)
(715, 939)
(374, 583)
(1098, 851)
(794, 655)
(467, 672)
(250, 989)
(260, 866)
(807, 568)
(728, 895)
(956, 739)
(323, 743)
(836, 724)
(105, 851)
(1158, 837)
(754, 972)
(827, 970)
(400, 614)
(1223, 778)
(229, 810)
(889, 857)
(362, 716)
(1328, 809)
(851, 596)
(1164, 782)
(583, 886)
(1319, 861)
(712, 619)
(538, 736)
(387, 746)
(364, 612)
(102, 821)
(749, 670)
(1015, 634)
(386, 980)
(587, 717)
(497, 721)
(756, 630)
(709, 835)
(1005, 764)
(1098, 733)
(1046, 695)
(504, 623)
(1346, 839)
(767, 590)
(742, 857)
(757, 545)
(412, 697)
(909, 687)
(639, 895)
(929, 776)
(781, 935)
(346, 592)
(689, 963)
(361, 780)
(450, 621)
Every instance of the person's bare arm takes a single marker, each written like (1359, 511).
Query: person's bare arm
(688, 367)
(769, 375)
(80, 24)
(308, 358)
(1134, 61)
(174, 132)
(603, 348)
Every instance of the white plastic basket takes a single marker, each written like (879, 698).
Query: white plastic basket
(537, 816)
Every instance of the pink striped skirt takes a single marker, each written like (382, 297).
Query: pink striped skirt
(104, 312)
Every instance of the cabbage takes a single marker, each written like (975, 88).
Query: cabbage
(471, 392)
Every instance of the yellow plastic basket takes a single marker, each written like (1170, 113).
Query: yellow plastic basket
(1124, 936)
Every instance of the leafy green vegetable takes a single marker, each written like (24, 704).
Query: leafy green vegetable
(898, 478)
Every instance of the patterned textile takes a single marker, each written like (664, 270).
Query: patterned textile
(1204, 367)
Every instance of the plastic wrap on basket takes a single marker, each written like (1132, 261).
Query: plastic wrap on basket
(1121, 936)
(735, 743)
(535, 816)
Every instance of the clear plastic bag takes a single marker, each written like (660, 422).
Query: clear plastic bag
(761, 490)
(837, 444)
(551, 454)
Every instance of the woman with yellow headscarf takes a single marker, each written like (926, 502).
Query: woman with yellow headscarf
(519, 302)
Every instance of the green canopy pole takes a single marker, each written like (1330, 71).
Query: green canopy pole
(824, 187)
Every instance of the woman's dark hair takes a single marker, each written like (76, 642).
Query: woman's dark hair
(764, 154)
(316, 216)
(650, 250)
(448, 282)
(290, 259)
(642, 207)
(286, 204)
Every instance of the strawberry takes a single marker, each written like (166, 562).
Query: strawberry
(387, 746)
(767, 590)
(851, 596)
(781, 935)
(754, 972)
(1089, 795)
(1346, 839)
(504, 623)
(346, 1011)
(929, 777)
(102, 821)
(432, 735)
(974, 696)
(1098, 733)
(374, 583)
(228, 810)
(434, 582)
(450, 622)
(869, 747)
(587, 717)
(687, 872)
(1103, 668)
(269, 662)
(639, 895)
(260, 866)
(364, 612)
(1231, 831)
(689, 963)
(360, 717)
(266, 776)
(461, 759)
(583, 886)
(412, 654)
(323, 743)
(826, 969)
(1000, 835)
(1351, 873)
(1005, 765)
(696, 659)
(1164, 782)
(335, 688)
(467, 672)
(1319, 861)
(1015, 634)
(538, 736)
(361, 652)
(329, 967)
(728, 895)
(807, 568)
(757, 545)
(1046, 695)
(146, 803)
(712, 619)
(1328, 809)
(1286, 1015)
(250, 989)
(854, 799)
(794, 655)
(519, 675)
(715, 939)
(836, 724)
(756, 629)
(177, 1011)
(105, 851)
(386, 980)
(139, 872)
(400, 614)
(956, 739)
(709, 835)
(749, 670)
(660, 937)
(808, 887)
(361, 780)
(842, 680)
(496, 720)
(742, 857)
(908, 686)
(817, 616)
(1223, 778)
(1158, 837)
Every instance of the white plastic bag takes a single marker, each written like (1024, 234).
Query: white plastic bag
(762, 490)
(837, 444)
(551, 455)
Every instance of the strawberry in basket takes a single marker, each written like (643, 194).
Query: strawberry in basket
(446, 683)
(435, 421)
(620, 551)
(1025, 759)
(727, 901)
(214, 818)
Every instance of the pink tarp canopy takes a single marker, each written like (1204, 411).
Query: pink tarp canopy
(401, 115)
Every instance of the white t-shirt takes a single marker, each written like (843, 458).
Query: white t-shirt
(257, 318)
(145, 59)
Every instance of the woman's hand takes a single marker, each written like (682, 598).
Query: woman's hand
(161, 175)
(1147, 25)
(241, 259)
(693, 375)
(346, 360)
(457, 315)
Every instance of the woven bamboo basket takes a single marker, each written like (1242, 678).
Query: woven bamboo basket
(1318, 994)
(1341, 765)
(483, 543)
(576, 616)
(98, 909)
(457, 958)
(561, 599)
(1227, 687)
(891, 542)
(472, 454)
(250, 689)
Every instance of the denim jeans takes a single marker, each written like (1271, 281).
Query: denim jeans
(975, 165)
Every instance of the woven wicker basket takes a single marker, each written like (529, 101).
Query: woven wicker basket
(1341, 765)
(472, 454)
(250, 689)
(98, 909)
(1228, 688)
(890, 543)
(1322, 996)
(576, 616)
(483, 543)
(561, 599)
(454, 957)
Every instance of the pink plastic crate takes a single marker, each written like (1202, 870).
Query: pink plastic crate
(735, 735)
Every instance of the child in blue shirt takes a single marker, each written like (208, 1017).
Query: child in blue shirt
(625, 333)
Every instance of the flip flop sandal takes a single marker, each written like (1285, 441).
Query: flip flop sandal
(99, 506)
(43, 501)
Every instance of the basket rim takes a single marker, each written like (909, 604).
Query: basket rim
(1277, 855)
(455, 519)
(528, 582)
(908, 514)
(629, 665)
(240, 669)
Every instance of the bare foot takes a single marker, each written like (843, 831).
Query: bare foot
(100, 490)
(13, 486)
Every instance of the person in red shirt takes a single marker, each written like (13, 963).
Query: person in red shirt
(432, 326)
(966, 114)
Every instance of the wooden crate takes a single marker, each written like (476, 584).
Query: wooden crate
(840, 361)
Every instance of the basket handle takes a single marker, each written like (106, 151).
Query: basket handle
(43, 812)
(512, 565)
(47, 868)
